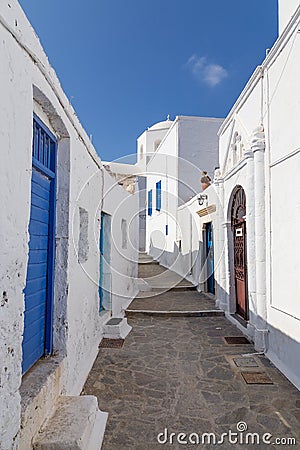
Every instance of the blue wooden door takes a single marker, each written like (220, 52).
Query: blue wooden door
(105, 269)
(210, 259)
(37, 337)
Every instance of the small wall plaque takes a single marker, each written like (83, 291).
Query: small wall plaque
(239, 232)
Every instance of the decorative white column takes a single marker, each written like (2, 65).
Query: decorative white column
(258, 148)
(250, 229)
(221, 250)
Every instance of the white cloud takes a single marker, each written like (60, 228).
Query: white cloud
(203, 70)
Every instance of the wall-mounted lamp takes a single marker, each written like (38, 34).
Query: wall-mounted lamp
(202, 198)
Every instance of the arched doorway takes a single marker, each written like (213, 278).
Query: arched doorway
(238, 225)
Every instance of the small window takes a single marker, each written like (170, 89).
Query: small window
(157, 144)
(158, 196)
(124, 233)
(150, 203)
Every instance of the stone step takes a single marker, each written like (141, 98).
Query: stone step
(178, 287)
(148, 262)
(200, 313)
(77, 424)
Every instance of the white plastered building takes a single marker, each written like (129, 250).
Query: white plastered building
(59, 205)
(174, 153)
(245, 231)
(257, 227)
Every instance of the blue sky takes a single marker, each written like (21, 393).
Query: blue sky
(126, 64)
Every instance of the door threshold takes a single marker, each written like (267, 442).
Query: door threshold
(240, 319)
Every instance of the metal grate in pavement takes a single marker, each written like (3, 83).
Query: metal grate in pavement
(245, 362)
(256, 378)
(111, 343)
(234, 340)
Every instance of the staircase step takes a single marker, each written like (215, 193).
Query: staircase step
(77, 424)
(178, 287)
(200, 313)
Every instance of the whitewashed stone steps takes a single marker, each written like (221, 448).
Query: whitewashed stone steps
(77, 424)
(116, 328)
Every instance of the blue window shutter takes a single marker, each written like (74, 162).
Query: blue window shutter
(158, 196)
(150, 203)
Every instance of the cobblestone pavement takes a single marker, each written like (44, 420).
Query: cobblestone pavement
(179, 374)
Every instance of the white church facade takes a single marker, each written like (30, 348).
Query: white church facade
(258, 187)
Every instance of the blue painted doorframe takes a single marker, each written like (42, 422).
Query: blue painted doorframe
(105, 269)
(210, 258)
(38, 315)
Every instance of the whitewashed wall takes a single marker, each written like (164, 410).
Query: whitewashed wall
(197, 151)
(189, 147)
(163, 167)
(265, 120)
(284, 209)
(27, 84)
(286, 9)
(190, 261)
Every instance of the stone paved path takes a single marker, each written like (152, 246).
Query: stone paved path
(174, 301)
(179, 374)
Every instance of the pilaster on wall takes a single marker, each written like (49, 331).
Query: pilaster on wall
(220, 244)
(250, 221)
(258, 149)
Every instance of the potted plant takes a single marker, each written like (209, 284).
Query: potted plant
(205, 180)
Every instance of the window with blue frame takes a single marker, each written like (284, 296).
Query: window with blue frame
(158, 196)
(150, 203)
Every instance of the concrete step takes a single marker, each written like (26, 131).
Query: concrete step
(200, 313)
(116, 328)
(77, 424)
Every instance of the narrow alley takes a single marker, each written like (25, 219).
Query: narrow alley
(175, 373)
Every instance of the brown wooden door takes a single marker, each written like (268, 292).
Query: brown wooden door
(240, 269)
(239, 250)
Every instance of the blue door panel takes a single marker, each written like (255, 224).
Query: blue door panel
(210, 258)
(35, 285)
(33, 356)
(105, 271)
(36, 271)
(40, 182)
(40, 214)
(38, 256)
(38, 189)
(36, 317)
(35, 299)
(38, 228)
(39, 242)
(37, 338)
(40, 202)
